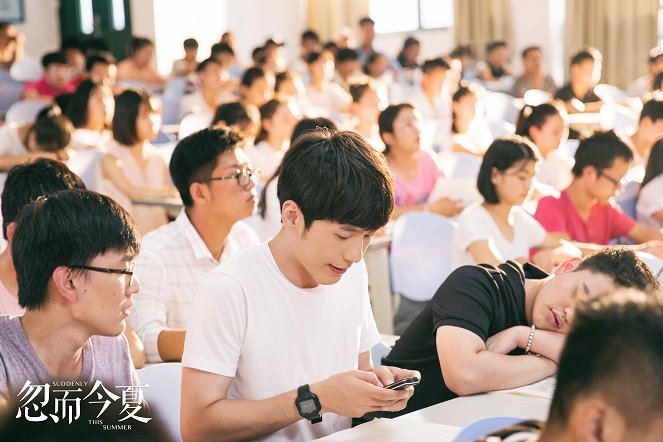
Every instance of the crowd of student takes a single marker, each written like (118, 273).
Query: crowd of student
(269, 311)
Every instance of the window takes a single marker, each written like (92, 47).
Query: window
(119, 19)
(87, 18)
(411, 15)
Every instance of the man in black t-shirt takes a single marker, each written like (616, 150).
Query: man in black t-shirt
(474, 334)
(578, 94)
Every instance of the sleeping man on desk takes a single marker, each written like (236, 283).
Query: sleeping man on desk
(493, 328)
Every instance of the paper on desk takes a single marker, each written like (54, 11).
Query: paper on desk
(463, 189)
(545, 388)
(388, 430)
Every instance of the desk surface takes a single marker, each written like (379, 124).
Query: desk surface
(443, 421)
(463, 411)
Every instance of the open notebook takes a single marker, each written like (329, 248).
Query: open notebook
(545, 388)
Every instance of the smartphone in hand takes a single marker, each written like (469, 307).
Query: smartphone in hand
(399, 385)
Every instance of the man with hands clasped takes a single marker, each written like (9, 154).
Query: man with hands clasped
(281, 345)
(492, 328)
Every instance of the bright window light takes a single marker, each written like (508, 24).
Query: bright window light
(394, 15)
(435, 14)
(87, 17)
(118, 15)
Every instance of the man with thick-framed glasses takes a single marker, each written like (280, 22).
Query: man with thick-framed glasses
(585, 212)
(73, 252)
(218, 188)
(26, 183)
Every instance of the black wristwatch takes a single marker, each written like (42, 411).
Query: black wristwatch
(308, 404)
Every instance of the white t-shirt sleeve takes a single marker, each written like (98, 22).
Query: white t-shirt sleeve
(472, 227)
(649, 200)
(534, 232)
(218, 323)
(369, 331)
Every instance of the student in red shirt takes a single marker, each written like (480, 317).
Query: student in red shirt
(585, 211)
(54, 82)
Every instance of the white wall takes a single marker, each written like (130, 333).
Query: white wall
(41, 27)
(540, 23)
(253, 21)
(433, 43)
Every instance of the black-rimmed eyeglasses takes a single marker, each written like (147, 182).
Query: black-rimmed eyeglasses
(617, 183)
(129, 272)
(243, 176)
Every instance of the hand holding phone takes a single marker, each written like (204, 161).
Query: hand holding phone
(403, 383)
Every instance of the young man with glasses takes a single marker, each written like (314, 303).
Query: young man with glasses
(26, 183)
(284, 329)
(585, 212)
(218, 188)
(73, 252)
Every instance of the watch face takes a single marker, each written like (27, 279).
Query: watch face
(307, 406)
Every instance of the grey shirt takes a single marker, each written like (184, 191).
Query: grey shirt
(105, 358)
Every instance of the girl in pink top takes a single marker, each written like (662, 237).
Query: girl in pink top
(415, 171)
(132, 168)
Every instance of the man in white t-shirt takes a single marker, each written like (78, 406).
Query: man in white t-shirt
(284, 329)
(217, 186)
(431, 98)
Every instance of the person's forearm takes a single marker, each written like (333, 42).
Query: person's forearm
(488, 371)
(546, 343)
(234, 419)
(171, 344)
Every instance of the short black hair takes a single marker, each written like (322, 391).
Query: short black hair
(585, 54)
(435, 63)
(137, 43)
(492, 45)
(67, 228)
(196, 156)
(231, 113)
(653, 109)
(623, 266)
(600, 151)
(53, 58)
(615, 350)
(313, 57)
(366, 21)
(127, 106)
(303, 126)
(206, 62)
(251, 75)
(99, 57)
(96, 44)
(27, 182)
(310, 34)
(190, 43)
(220, 48)
(502, 154)
(77, 108)
(357, 90)
(52, 130)
(386, 121)
(529, 49)
(338, 177)
(346, 54)
(75, 42)
(462, 51)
